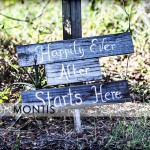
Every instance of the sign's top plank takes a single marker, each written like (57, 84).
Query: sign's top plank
(75, 49)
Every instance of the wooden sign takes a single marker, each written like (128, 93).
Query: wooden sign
(75, 49)
(79, 96)
(75, 60)
(73, 71)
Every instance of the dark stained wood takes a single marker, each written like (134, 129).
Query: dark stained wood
(66, 18)
(79, 96)
(72, 72)
(75, 49)
(76, 27)
(71, 13)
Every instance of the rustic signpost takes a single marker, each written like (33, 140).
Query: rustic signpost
(73, 60)
(72, 28)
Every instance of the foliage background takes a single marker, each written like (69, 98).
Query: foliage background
(34, 21)
(26, 22)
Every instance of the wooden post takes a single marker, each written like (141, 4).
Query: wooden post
(71, 13)
(72, 28)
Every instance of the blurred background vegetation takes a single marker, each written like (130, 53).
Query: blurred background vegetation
(28, 22)
(34, 21)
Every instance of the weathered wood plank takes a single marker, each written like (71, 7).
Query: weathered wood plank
(73, 71)
(75, 49)
(80, 96)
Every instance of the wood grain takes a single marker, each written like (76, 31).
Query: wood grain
(72, 72)
(80, 96)
(71, 12)
(75, 49)
(72, 24)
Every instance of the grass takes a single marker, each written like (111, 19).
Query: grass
(132, 134)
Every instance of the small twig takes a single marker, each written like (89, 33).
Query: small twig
(29, 76)
(13, 18)
(11, 28)
(42, 77)
(53, 139)
(127, 15)
(27, 20)
(22, 126)
(127, 67)
(17, 118)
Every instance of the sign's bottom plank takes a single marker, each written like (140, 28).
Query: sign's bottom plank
(79, 96)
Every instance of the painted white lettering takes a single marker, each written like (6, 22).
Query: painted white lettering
(118, 95)
(64, 73)
(106, 96)
(113, 45)
(59, 54)
(53, 53)
(77, 96)
(46, 54)
(68, 70)
(107, 47)
(103, 43)
(113, 94)
(97, 94)
(64, 99)
(71, 51)
(94, 87)
(74, 70)
(40, 97)
(49, 99)
(66, 52)
(86, 70)
(82, 72)
(74, 45)
(93, 45)
(79, 51)
(57, 104)
(70, 95)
